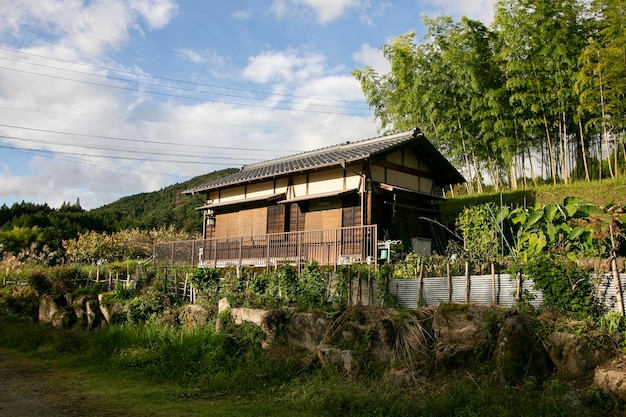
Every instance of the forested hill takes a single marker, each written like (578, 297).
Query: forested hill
(24, 224)
(159, 208)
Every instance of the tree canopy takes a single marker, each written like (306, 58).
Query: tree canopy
(541, 94)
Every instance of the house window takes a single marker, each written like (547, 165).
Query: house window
(296, 218)
(351, 212)
(276, 219)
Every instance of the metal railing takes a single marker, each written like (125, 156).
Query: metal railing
(346, 245)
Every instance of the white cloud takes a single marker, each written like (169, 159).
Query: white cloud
(284, 66)
(157, 13)
(325, 10)
(317, 107)
(89, 27)
(368, 56)
(242, 14)
(482, 10)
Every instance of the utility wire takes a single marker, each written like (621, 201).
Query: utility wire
(173, 79)
(108, 77)
(142, 151)
(228, 125)
(175, 95)
(117, 157)
(229, 148)
(99, 164)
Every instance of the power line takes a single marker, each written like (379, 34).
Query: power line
(93, 163)
(108, 77)
(175, 95)
(115, 157)
(238, 126)
(145, 140)
(172, 79)
(106, 148)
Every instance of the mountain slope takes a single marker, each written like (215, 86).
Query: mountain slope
(166, 207)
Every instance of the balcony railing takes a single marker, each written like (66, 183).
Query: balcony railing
(346, 245)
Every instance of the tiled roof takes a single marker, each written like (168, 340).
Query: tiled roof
(339, 154)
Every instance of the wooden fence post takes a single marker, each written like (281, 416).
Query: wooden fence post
(467, 282)
(619, 295)
(494, 299)
(449, 274)
(420, 282)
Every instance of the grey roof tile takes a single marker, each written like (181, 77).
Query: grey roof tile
(345, 152)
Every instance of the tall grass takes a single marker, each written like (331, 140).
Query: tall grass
(229, 368)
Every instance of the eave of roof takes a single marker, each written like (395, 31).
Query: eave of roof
(336, 155)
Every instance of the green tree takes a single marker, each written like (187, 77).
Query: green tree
(541, 43)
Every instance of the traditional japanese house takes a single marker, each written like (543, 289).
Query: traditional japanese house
(334, 205)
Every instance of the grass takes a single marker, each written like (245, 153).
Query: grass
(603, 193)
(139, 370)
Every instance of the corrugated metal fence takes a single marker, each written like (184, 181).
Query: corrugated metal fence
(501, 289)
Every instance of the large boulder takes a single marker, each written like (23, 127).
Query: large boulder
(305, 330)
(520, 353)
(269, 320)
(194, 315)
(111, 309)
(611, 378)
(92, 314)
(464, 333)
(343, 361)
(50, 311)
(48, 307)
(80, 307)
(577, 354)
(63, 318)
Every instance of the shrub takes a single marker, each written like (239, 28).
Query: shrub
(61, 279)
(38, 280)
(312, 286)
(566, 286)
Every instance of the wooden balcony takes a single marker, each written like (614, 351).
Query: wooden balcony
(346, 245)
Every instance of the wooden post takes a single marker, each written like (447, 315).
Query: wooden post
(185, 285)
(449, 274)
(467, 282)
(420, 282)
(518, 291)
(619, 295)
(494, 298)
(358, 288)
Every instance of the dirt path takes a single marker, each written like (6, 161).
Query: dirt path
(31, 388)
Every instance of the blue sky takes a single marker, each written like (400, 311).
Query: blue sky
(100, 99)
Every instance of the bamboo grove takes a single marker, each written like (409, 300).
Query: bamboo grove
(538, 96)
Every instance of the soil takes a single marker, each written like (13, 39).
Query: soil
(30, 388)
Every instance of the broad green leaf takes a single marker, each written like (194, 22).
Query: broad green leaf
(550, 232)
(550, 212)
(534, 217)
(518, 218)
(575, 233)
(571, 209)
(564, 228)
(536, 242)
(503, 214)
